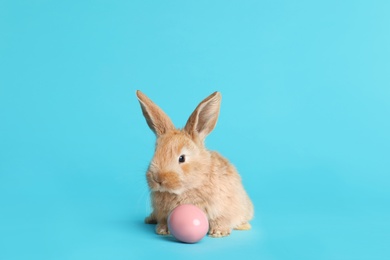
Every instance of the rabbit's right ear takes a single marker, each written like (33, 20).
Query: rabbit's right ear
(157, 120)
(203, 120)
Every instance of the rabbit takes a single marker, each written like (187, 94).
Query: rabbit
(183, 171)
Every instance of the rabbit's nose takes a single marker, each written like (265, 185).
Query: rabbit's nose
(157, 179)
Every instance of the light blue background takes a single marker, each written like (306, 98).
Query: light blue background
(304, 117)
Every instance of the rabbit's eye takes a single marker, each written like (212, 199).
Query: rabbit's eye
(182, 158)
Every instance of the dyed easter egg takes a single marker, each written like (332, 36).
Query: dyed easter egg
(188, 223)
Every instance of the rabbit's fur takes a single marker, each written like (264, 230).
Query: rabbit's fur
(183, 171)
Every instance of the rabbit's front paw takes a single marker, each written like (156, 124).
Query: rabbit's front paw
(162, 229)
(219, 232)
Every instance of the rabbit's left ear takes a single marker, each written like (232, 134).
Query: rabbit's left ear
(204, 118)
(157, 120)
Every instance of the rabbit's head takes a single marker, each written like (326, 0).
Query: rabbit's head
(180, 161)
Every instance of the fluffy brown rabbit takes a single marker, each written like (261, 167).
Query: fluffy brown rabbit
(183, 171)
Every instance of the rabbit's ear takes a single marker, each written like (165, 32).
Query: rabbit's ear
(204, 118)
(157, 120)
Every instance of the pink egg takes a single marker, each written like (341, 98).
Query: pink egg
(188, 223)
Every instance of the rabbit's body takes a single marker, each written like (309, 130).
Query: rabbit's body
(199, 177)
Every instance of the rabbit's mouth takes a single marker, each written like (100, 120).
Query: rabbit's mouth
(161, 188)
(165, 182)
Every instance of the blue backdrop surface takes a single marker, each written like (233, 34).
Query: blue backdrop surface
(304, 118)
